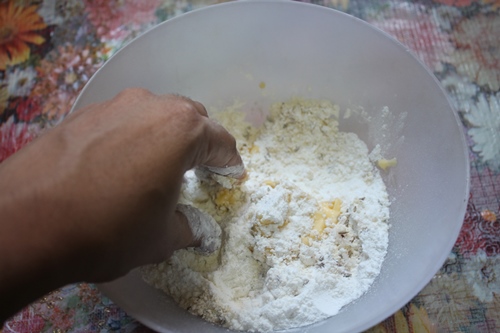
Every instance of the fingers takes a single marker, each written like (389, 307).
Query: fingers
(185, 235)
(221, 154)
(188, 227)
(218, 149)
(206, 232)
(177, 235)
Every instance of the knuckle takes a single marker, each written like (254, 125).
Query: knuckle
(190, 104)
(189, 107)
(188, 112)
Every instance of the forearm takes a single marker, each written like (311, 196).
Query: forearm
(30, 263)
(35, 250)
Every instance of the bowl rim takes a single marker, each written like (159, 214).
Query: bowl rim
(436, 264)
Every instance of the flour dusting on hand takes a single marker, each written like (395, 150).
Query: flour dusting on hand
(203, 227)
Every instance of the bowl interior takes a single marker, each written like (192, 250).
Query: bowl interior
(223, 53)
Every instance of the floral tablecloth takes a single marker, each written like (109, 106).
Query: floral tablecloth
(49, 49)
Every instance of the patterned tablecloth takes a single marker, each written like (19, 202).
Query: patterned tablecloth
(49, 49)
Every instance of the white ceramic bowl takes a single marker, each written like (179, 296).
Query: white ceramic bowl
(223, 52)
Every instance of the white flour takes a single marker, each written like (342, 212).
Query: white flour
(304, 235)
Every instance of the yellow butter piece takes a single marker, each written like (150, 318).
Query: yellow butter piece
(225, 197)
(266, 222)
(281, 227)
(254, 149)
(327, 211)
(385, 164)
(270, 183)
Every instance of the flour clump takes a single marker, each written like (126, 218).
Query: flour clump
(303, 235)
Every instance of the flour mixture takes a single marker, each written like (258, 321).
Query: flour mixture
(305, 234)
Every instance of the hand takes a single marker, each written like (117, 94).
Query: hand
(95, 196)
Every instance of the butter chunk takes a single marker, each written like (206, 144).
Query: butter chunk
(225, 197)
(385, 164)
(327, 212)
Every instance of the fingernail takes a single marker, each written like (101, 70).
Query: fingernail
(235, 171)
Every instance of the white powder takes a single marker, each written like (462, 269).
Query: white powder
(304, 235)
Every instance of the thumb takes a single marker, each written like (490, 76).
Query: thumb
(205, 230)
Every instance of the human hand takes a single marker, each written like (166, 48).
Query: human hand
(96, 195)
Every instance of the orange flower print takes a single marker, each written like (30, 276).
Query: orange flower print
(400, 324)
(410, 319)
(419, 320)
(18, 26)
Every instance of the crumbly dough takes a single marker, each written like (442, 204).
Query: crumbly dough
(303, 235)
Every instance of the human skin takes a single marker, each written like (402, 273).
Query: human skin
(95, 196)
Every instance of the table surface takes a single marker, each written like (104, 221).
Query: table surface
(459, 40)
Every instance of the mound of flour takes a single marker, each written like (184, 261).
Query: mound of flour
(305, 233)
